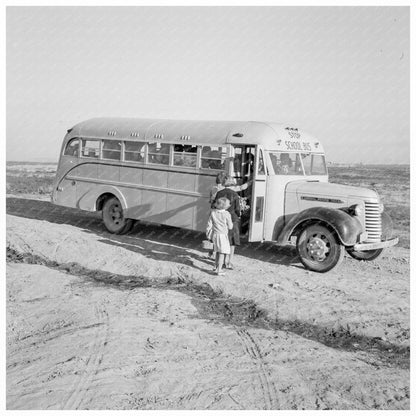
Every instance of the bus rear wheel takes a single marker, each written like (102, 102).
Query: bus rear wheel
(319, 249)
(113, 217)
(364, 255)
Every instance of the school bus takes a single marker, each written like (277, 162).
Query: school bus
(162, 171)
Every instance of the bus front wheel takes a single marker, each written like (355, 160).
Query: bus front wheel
(319, 249)
(113, 217)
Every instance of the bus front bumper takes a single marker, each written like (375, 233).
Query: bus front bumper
(375, 246)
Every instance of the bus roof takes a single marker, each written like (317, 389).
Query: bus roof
(272, 136)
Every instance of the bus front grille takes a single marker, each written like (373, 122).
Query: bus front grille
(373, 221)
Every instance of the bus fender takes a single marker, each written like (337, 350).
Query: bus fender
(347, 227)
(88, 201)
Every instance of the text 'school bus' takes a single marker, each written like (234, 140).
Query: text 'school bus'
(162, 171)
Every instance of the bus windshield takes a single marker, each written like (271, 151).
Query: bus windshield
(286, 163)
(314, 164)
(291, 163)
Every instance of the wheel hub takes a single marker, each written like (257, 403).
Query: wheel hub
(317, 248)
(116, 213)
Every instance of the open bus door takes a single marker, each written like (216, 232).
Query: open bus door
(258, 198)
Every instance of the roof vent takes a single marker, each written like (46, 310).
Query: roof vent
(158, 136)
(134, 134)
(238, 135)
(111, 133)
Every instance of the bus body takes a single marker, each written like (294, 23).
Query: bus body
(162, 171)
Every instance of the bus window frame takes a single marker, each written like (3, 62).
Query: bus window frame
(280, 152)
(312, 159)
(142, 161)
(70, 140)
(145, 161)
(170, 155)
(201, 158)
(185, 154)
(92, 139)
(111, 150)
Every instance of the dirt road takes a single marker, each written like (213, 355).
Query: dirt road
(98, 321)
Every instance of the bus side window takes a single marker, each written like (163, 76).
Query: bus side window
(90, 148)
(185, 155)
(134, 151)
(213, 157)
(111, 149)
(72, 148)
(158, 153)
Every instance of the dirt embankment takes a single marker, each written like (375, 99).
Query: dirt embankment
(138, 322)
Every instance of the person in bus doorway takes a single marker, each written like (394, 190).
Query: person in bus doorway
(219, 224)
(220, 184)
(235, 212)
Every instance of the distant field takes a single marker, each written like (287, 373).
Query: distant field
(392, 182)
(17, 163)
(30, 177)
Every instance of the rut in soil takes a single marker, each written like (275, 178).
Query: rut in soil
(229, 310)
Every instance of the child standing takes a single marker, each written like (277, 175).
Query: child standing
(219, 223)
(235, 212)
(219, 186)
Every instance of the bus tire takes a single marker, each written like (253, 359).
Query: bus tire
(319, 248)
(113, 217)
(364, 255)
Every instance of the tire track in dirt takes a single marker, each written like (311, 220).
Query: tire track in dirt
(79, 391)
(239, 312)
(267, 386)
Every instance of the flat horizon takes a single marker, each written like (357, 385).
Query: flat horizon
(40, 162)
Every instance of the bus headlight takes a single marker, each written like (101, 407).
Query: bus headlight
(356, 210)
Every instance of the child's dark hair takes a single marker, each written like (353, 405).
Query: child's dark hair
(220, 178)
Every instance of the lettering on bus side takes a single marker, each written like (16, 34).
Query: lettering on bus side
(301, 146)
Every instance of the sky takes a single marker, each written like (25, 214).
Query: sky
(339, 73)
